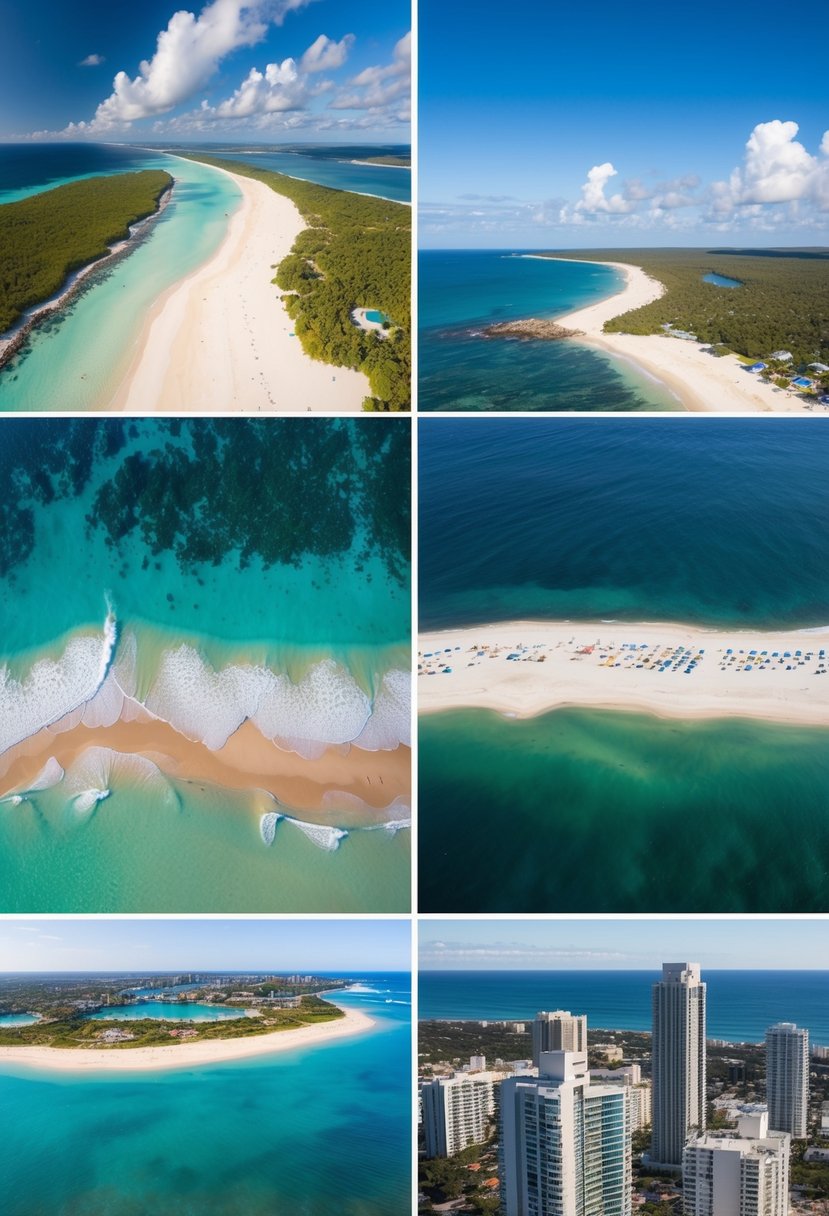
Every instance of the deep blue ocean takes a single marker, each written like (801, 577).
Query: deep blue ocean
(741, 1004)
(318, 1131)
(29, 168)
(460, 291)
(719, 522)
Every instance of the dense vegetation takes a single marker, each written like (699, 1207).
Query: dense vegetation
(197, 491)
(45, 238)
(355, 253)
(70, 1028)
(783, 303)
(403, 161)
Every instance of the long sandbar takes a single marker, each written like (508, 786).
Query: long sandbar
(184, 1055)
(248, 761)
(700, 381)
(619, 665)
(221, 338)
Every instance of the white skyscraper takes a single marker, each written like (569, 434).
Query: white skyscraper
(456, 1112)
(787, 1079)
(565, 1144)
(559, 1030)
(742, 1175)
(678, 1061)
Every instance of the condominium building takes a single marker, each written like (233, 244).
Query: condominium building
(746, 1174)
(456, 1112)
(559, 1030)
(565, 1143)
(678, 1061)
(639, 1090)
(787, 1079)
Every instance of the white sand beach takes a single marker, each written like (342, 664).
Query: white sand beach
(524, 668)
(700, 381)
(221, 338)
(183, 1055)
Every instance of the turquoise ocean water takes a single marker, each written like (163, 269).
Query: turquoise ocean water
(461, 291)
(77, 360)
(719, 522)
(740, 1004)
(210, 571)
(167, 1011)
(295, 1132)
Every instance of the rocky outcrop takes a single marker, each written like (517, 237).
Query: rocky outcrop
(530, 329)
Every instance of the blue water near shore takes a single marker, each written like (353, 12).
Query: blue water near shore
(322, 1130)
(460, 292)
(17, 1019)
(718, 522)
(77, 360)
(741, 1004)
(384, 181)
(27, 169)
(167, 1011)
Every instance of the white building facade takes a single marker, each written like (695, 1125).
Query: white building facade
(742, 1175)
(679, 1096)
(456, 1112)
(787, 1079)
(565, 1143)
(558, 1030)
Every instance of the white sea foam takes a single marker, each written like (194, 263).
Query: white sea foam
(12, 800)
(323, 837)
(51, 774)
(89, 798)
(267, 825)
(390, 721)
(94, 775)
(54, 687)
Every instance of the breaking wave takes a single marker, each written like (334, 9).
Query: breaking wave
(93, 683)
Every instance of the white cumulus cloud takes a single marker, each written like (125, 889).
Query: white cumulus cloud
(776, 168)
(593, 198)
(325, 55)
(378, 87)
(91, 61)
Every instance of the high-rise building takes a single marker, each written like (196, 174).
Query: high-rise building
(565, 1144)
(456, 1112)
(639, 1090)
(787, 1079)
(559, 1030)
(742, 1175)
(678, 1061)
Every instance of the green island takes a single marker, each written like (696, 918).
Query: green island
(355, 253)
(401, 162)
(735, 1073)
(267, 1005)
(46, 238)
(782, 303)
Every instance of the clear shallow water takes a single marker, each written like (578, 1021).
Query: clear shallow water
(718, 522)
(294, 1132)
(313, 613)
(77, 361)
(462, 291)
(17, 1019)
(726, 815)
(166, 1011)
(740, 1005)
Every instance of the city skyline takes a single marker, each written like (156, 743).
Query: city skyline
(624, 945)
(116, 944)
(264, 70)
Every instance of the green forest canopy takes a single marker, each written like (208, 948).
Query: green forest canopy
(45, 238)
(355, 253)
(783, 303)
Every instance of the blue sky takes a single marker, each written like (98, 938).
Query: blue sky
(115, 944)
(519, 104)
(625, 945)
(262, 70)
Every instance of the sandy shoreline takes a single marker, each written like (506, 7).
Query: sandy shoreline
(220, 339)
(248, 761)
(619, 665)
(701, 382)
(184, 1055)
